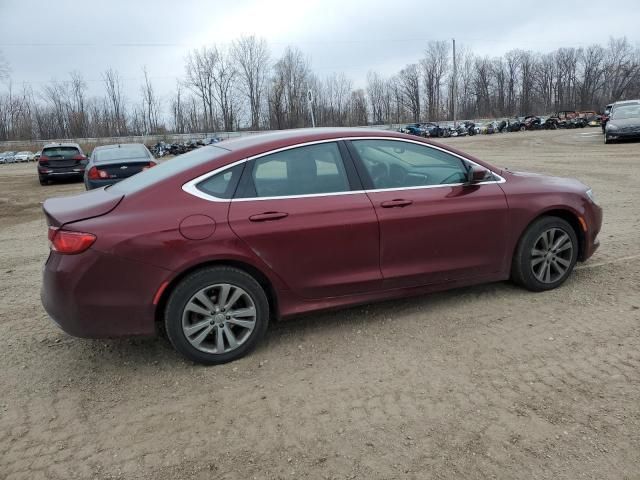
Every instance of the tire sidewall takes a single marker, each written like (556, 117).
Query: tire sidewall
(195, 282)
(522, 261)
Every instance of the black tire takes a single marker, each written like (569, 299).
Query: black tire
(606, 139)
(195, 282)
(43, 181)
(521, 268)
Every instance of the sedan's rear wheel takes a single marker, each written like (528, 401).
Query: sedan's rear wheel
(546, 254)
(216, 315)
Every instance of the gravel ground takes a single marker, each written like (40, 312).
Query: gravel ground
(483, 382)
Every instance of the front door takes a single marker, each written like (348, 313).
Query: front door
(433, 228)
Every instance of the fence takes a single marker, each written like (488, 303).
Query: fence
(146, 139)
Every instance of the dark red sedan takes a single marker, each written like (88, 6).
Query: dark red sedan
(212, 245)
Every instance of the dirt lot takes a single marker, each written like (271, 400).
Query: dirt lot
(483, 382)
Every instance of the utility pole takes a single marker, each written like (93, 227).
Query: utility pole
(455, 85)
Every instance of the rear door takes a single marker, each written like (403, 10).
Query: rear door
(303, 212)
(432, 227)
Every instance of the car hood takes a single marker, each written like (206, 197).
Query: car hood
(552, 182)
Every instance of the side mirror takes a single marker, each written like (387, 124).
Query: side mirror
(477, 174)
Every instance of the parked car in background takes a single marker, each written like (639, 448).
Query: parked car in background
(23, 156)
(111, 163)
(414, 129)
(61, 161)
(7, 157)
(622, 103)
(624, 123)
(36, 156)
(225, 239)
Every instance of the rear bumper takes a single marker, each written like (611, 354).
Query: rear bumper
(67, 172)
(95, 295)
(91, 184)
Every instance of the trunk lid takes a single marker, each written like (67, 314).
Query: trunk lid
(122, 169)
(94, 203)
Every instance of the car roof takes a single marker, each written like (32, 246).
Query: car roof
(625, 102)
(284, 138)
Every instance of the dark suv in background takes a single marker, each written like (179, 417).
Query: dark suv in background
(61, 161)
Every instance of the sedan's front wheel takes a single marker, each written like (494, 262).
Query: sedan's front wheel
(216, 315)
(546, 254)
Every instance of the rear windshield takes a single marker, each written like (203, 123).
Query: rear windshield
(123, 152)
(168, 169)
(64, 152)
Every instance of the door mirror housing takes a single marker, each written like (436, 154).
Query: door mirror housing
(477, 174)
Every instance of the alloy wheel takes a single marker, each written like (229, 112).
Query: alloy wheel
(219, 318)
(551, 255)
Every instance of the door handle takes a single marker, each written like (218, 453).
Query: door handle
(267, 216)
(398, 202)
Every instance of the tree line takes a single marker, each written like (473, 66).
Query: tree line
(240, 87)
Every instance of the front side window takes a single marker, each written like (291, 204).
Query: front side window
(308, 170)
(396, 164)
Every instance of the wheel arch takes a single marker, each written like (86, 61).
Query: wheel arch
(570, 216)
(246, 267)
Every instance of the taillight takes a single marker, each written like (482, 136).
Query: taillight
(151, 164)
(43, 160)
(95, 174)
(69, 243)
(79, 157)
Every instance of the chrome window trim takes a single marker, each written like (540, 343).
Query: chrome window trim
(190, 186)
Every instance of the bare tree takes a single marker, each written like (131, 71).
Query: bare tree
(623, 68)
(288, 89)
(592, 66)
(435, 66)
(4, 67)
(223, 77)
(409, 79)
(199, 78)
(115, 100)
(150, 105)
(77, 90)
(376, 92)
(251, 57)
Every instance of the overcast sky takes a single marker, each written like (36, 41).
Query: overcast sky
(46, 39)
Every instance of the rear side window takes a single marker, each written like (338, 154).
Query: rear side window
(61, 152)
(223, 184)
(308, 170)
(168, 169)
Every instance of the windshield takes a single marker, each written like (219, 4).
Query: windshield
(168, 169)
(626, 112)
(122, 152)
